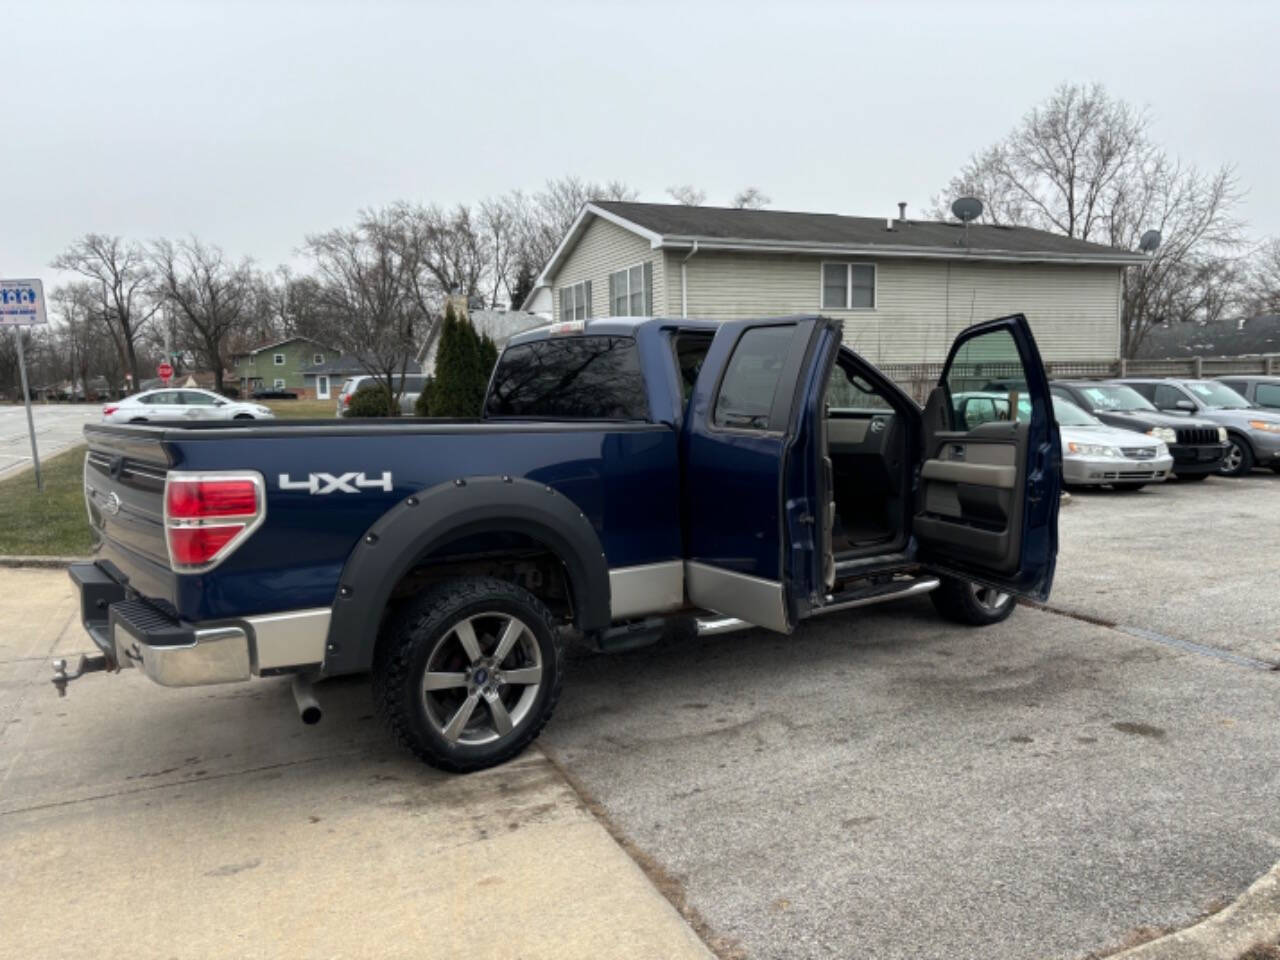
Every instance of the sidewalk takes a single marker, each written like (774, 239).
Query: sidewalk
(211, 822)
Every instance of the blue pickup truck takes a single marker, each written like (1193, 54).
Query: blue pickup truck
(630, 477)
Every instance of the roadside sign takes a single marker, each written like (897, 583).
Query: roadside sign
(22, 303)
(165, 371)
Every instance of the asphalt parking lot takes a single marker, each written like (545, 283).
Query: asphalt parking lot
(58, 428)
(878, 785)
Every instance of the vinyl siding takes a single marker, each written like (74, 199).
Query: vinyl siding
(605, 248)
(920, 305)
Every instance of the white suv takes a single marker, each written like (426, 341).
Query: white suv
(409, 391)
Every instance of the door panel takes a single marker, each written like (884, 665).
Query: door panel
(740, 426)
(988, 490)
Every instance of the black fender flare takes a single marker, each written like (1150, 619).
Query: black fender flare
(458, 508)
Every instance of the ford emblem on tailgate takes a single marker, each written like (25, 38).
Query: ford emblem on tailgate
(112, 503)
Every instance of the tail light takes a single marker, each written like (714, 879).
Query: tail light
(109, 410)
(208, 515)
(346, 399)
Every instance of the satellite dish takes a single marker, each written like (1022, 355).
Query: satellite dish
(967, 208)
(1150, 241)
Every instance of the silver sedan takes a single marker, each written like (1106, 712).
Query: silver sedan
(183, 404)
(1094, 453)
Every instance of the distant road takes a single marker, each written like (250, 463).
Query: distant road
(58, 427)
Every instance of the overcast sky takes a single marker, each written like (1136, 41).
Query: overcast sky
(252, 124)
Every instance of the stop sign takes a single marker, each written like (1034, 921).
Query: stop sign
(165, 370)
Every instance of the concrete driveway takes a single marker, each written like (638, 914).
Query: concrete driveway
(879, 785)
(58, 427)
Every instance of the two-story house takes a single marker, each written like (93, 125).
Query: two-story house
(285, 365)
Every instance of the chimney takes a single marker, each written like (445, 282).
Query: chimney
(902, 211)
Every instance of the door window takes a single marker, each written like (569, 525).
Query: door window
(752, 379)
(1267, 395)
(989, 366)
(1167, 397)
(193, 399)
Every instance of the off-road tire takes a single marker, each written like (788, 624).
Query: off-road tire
(406, 643)
(1245, 465)
(955, 601)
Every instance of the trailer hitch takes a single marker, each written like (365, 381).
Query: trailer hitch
(85, 664)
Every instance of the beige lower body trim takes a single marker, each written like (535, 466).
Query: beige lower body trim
(292, 639)
(753, 599)
(646, 589)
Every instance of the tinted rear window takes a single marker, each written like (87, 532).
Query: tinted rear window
(571, 378)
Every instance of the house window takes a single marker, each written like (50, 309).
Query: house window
(631, 291)
(279, 359)
(317, 359)
(848, 286)
(575, 301)
(278, 384)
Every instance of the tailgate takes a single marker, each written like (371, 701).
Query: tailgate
(124, 475)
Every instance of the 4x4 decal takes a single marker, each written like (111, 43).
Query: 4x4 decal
(321, 483)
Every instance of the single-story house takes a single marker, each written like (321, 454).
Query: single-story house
(1254, 337)
(904, 288)
(499, 325)
(281, 365)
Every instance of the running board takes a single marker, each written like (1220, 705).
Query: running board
(879, 594)
(714, 626)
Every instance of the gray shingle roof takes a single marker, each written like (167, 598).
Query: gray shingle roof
(1259, 335)
(789, 227)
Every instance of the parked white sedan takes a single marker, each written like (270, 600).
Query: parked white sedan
(181, 404)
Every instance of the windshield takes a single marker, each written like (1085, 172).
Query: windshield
(1217, 396)
(1114, 396)
(1069, 415)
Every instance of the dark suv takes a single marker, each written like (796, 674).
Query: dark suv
(1197, 445)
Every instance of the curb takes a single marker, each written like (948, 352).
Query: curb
(46, 563)
(1252, 920)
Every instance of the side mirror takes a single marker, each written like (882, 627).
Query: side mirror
(1186, 406)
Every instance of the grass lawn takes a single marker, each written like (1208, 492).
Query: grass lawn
(301, 409)
(52, 524)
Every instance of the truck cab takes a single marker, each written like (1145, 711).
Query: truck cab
(628, 475)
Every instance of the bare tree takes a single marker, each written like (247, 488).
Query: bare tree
(1263, 293)
(545, 217)
(366, 276)
(687, 194)
(1082, 165)
(210, 297)
(750, 198)
(121, 273)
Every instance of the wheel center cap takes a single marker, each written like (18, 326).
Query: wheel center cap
(480, 677)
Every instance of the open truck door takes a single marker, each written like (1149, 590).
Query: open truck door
(987, 498)
(752, 442)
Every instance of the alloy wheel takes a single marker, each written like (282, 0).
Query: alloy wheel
(482, 678)
(989, 598)
(1234, 457)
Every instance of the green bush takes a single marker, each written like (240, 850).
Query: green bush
(460, 379)
(370, 402)
(422, 406)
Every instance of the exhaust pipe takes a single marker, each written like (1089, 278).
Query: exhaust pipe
(304, 695)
